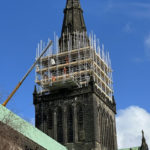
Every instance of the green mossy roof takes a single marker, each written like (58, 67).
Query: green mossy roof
(28, 130)
(134, 148)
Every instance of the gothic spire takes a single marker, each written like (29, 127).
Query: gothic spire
(73, 23)
(144, 145)
(73, 17)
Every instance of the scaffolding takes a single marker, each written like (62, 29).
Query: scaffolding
(66, 68)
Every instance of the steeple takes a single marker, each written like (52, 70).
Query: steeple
(73, 18)
(73, 100)
(73, 22)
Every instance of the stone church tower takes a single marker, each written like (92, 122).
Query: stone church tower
(74, 101)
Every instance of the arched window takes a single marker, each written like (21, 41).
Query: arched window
(50, 119)
(112, 135)
(69, 27)
(100, 123)
(70, 124)
(59, 125)
(103, 128)
(107, 131)
(38, 118)
(81, 135)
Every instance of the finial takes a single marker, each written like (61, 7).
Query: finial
(35, 90)
(113, 99)
(142, 134)
(144, 145)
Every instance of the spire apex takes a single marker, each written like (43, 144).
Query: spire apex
(73, 18)
(73, 3)
(142, 134)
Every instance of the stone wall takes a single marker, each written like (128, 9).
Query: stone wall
(72, 117)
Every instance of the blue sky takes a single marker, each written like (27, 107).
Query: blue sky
(123, 27)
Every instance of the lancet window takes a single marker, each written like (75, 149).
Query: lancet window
(59, 125)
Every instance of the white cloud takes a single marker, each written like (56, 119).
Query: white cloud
(130, 122)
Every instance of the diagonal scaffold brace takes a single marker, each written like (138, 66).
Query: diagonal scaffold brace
(28, 72)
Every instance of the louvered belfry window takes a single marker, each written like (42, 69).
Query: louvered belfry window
(70, 124)
(80, 123)
(59, 125)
